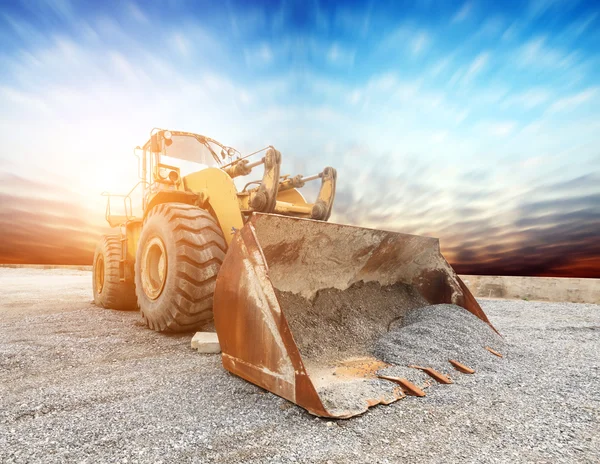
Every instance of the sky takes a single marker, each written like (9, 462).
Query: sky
(477, 122)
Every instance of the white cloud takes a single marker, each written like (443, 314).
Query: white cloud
(582, 25)
(387, 97)
(245, 97)
(439, 137)
(491, 27)
(406, 37)
(355, 97)
(533, 128)
(532, 162)
(110, 28)
(18, 99)
(326, 114)
(535, 53)
(338, 55)
(124, 69)
(70, 92)
(466, 75)
(22, 28)
(419, 43)
(259, 56)
(61, 8)
(463, 13)
(528, 99)
(571, 102)
(539, 7)
(460, 116)
(499, 128)
(384, 82)
(388, 89)
(95, 92)
(511, 31)
(354, 20)
(478, 64)
(180, 44)
(253, 19)
(136, 13)
(440, 66)
(407, 90)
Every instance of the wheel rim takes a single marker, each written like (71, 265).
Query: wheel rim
(99, 274)
(154, 267)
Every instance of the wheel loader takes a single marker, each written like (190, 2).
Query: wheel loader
(268, 267)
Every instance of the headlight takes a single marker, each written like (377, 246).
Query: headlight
(167, 135)
(163, 173)
(173, 176)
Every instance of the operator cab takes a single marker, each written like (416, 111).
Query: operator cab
(170, 155)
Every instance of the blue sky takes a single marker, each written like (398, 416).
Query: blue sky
(473, 121)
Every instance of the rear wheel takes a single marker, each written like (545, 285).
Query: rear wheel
(109, 291)
(180, 252)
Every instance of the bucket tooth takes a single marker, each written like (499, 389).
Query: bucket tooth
(438, 376)
(494, 352)
(461, 367)
(408, 387)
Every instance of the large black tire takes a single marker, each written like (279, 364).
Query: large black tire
(179, 255)
(109, 291)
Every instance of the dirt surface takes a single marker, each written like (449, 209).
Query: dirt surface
(85, 384)
(27, 291)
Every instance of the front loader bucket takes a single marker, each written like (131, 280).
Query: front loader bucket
(298, 304)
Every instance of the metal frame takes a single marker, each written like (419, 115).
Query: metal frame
(127, 197)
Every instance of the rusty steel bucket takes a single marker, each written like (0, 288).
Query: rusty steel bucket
(298, 302)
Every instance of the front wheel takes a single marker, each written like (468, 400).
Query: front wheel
(180, 252)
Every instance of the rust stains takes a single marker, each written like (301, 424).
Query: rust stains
(284, 252)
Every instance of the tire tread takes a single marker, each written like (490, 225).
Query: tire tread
(115, 294)
(200, 249)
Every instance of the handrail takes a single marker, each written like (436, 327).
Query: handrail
(126, 199)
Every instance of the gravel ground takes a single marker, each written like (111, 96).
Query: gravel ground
(80, 383)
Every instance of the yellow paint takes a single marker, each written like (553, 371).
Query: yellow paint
(115, 220)
(244, 201)
(222, 197)
(292, 202)
(282, 207)
(134, 229)
(327, 191)
(291, 196)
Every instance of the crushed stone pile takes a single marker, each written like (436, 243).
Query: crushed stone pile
(345, 323)
(431, 335)
(393, 324)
